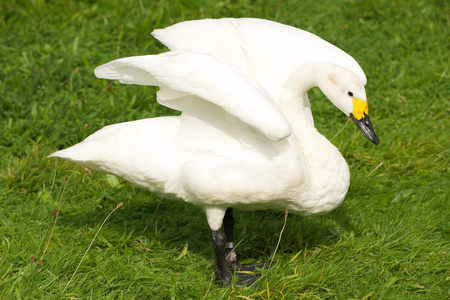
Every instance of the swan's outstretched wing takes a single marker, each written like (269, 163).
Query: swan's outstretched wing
(202, 87)
(266, 50)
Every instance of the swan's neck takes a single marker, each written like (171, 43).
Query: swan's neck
(297, 85)
(292, 103)
(328, 170)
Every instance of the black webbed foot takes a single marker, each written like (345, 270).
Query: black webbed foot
(248, 274)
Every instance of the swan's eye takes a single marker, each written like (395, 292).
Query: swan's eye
(350, 94)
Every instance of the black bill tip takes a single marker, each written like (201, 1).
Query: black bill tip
(366, 128)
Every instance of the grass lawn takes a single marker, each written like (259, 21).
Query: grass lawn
(388, 240)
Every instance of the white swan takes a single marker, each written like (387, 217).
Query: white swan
(245, 138)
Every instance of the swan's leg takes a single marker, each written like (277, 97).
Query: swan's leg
(223, 273)
(228, 224)
(247, 273)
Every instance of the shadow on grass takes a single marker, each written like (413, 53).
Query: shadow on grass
(174, 224)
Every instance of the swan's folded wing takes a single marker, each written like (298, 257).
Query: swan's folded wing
(198, 83)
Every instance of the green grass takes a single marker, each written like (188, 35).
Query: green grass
(388, 240)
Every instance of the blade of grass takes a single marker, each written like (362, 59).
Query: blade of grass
(89, 247)
(279, 238)
(66, 181)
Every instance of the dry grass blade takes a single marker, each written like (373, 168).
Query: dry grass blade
(279, 238)
(90, 245)
(66, 181)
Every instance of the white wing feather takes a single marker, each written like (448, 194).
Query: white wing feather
(190, 80)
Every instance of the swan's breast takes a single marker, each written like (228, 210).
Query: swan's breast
(328, 184)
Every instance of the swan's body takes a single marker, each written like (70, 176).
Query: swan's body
(246, 137)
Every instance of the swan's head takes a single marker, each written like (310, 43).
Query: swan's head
(346, 90)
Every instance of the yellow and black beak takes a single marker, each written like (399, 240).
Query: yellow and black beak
(360, 117)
